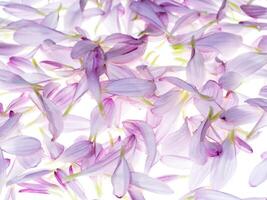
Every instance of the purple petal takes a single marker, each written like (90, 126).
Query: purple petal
(151, 184)
(230, 80)
(10, 49)
(10, 125)
(258, 102)
(121, 178)
(254, 11)
(21, 145)
(131, 87)
(243, 145)
(81, 48)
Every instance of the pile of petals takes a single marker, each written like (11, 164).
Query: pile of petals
(131, 95)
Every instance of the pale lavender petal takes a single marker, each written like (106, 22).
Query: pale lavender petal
(263, 91)
(140, 127)
(132, 87)
(21, 145)
(258, 174)
(28, 176)
(258, 102)
(230, 80)
(54, 117)
(177, 162)
(195, 69)
(81, 48)
(10, 125)
(7, 49)
(221, 42)
(243, 144)
(207, 194)
(36, 34)
(150, 184)
(224, 165)
(76, 151)
(121, 178)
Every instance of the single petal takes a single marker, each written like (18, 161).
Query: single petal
(198, 174)
(137, 127)
(7, 49)
(10, 125)
(145, 9)
(36, 34)
(258, 174)
(263, 91)
(195, 69)
(54, 117)
(239, 115)
(21, 145)
(207, 194)
(32, 160)
(197, 150)
(32, 175)
(221, 42)
(224, 165)
(76, 151)
(22, 11)
(258, 102)
(81, 48)
(254, 11)
(121, 178)
(247, 63)
(243, 145)
(132, 87)
(230, 80)
(150, 184)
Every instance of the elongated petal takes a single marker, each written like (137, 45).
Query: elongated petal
(258, 174)
(28, 176)
(10, 125)
(195, 69)
(197, 150)
(224, 165)
(54, 117)
(21, 145)
(140, 127)
(131, 87)
(207, 194)
(143, 9)
(221, 42)
(247, 63)
(76, 151)
(239, 115)
(81, 48)
(255, 11)
(230, 80)
(258, 102)
(151, 184)
(10, 49)
(36, 34)
(121, 178)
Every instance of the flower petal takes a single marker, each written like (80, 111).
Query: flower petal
(132, 87)
(21, 145)
(151, 184)
(121, 178)
(258, 174)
